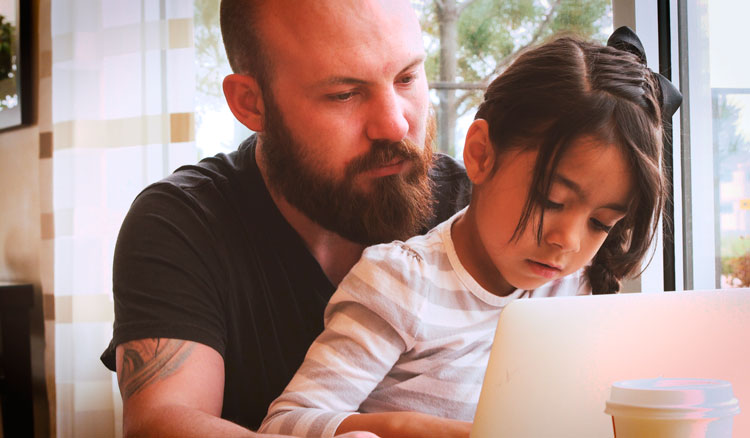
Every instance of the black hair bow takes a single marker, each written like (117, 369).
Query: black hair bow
(625, 39)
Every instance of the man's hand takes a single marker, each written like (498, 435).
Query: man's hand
(172, 387)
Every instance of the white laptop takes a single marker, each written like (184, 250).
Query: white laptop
(553, 359)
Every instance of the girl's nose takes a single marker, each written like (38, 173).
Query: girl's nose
(564, 234)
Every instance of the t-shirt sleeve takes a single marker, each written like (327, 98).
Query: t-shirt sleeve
(165, 277)
(370, 321)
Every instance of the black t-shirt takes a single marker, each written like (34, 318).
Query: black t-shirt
(204, 255)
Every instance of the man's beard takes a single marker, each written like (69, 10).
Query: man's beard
(395, 207)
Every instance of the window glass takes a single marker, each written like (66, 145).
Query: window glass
(216, 128)
(730, 105)
(718, 137)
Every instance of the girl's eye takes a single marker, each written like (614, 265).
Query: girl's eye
(551, 205)
(600, 226)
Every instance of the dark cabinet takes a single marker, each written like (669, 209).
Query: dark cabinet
(16, 301)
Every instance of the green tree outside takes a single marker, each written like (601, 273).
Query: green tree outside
(470, 42)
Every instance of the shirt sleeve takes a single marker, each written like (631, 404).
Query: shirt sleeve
(165, 278)
(369, 322)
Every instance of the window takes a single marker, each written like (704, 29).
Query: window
(216, 128)
(716, 144)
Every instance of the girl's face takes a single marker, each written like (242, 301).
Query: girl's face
(590, 193)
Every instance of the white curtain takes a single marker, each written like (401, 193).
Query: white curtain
(123, 81)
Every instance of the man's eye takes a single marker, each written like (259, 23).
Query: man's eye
(598, 225)
(408, 79)
(342, 97)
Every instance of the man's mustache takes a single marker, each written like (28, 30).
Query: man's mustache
(383, 153)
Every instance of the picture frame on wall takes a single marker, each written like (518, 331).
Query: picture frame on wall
(15, 64)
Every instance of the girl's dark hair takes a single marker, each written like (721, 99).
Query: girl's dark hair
(553, 95)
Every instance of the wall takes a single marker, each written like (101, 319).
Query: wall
(25, 197)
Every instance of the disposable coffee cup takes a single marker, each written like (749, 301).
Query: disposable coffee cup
(672, 408)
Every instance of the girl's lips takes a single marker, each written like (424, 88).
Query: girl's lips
(544, 270)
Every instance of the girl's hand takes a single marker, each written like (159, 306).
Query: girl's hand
(406, 425)
(346, 435)
(357, 435)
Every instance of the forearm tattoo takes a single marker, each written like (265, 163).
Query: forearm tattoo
(150, 360)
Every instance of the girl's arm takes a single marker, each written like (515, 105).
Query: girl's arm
(366, 332)
(406, 424)
(342, 367)
(372, 319)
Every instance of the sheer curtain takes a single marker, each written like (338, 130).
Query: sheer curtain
(123, 116)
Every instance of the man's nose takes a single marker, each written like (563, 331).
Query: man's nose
(387, 118)
(564, 233)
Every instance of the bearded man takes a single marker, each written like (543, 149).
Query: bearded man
(223, 269)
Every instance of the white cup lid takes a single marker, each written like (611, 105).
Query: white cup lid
(671, 398)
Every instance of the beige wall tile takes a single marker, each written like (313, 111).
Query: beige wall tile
(83, 308)
(182, 127)
(181, 33)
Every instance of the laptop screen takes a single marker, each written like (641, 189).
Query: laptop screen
(554, 360)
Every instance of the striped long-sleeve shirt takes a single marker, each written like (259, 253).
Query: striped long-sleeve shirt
(407, 330)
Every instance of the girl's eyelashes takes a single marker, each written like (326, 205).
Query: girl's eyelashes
(548, 204)
(598, 225)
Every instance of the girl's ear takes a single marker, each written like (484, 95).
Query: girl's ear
(479, 153)
(245, 99)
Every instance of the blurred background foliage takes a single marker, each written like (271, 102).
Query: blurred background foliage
(470, 42)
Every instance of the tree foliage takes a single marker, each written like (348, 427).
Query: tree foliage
(211, 60)
(491, 33)
(730, 144)
(8, 91)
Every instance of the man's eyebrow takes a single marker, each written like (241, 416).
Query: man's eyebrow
(348, 80)
(415, 62)
(572, 185)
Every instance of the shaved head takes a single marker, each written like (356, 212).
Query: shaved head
(245, 25)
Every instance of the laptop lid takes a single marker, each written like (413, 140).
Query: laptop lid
(554, 359)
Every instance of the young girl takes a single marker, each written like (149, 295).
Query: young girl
(564, 156)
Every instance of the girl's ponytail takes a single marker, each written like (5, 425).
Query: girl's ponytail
(607, 267)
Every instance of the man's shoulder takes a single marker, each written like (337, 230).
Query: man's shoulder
(217, 176)
(220, 194)
(446, 168)
(220, 169)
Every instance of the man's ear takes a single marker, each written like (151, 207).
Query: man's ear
(245, 99)
(479, 154)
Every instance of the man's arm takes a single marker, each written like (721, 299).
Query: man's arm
(172, 387)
